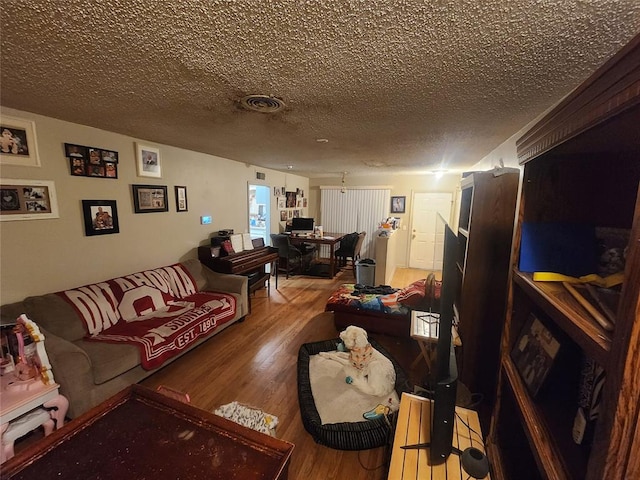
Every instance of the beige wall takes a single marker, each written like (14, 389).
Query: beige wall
(401, 185)
(41, 256)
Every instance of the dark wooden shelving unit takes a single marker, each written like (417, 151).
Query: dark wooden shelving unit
(581, 166)
(485, 230)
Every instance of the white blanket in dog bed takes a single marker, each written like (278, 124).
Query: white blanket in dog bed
(335, 399)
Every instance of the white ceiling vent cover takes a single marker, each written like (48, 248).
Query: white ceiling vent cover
(262, 103)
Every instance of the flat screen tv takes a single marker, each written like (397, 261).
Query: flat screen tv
(446, 372)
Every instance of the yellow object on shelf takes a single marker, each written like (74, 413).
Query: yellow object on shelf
(606, 282)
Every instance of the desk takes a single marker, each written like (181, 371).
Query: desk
(413, 427)
(424, 330)
(140, 433)
(330, 239)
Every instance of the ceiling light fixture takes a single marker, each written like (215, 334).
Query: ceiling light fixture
(289, 167)
(439, 173)
(343, 189)
(322, 140)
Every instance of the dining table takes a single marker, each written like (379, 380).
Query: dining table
(331, 240)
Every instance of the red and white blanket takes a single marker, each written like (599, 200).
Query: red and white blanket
(160, 311)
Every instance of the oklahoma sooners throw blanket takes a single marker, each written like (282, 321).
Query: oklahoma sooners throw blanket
(160, 311)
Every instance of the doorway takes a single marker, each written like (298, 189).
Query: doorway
(259, 212)
(427, 237)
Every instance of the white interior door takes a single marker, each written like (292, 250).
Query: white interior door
(427, 235)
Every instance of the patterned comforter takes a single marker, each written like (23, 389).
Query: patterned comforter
(344, 297)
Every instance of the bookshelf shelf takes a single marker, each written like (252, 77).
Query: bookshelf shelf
(558, 303)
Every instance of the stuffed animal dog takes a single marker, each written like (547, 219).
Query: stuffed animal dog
(370, 371)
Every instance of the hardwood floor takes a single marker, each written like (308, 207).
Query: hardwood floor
(254, 362)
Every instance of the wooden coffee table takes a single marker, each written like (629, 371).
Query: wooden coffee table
(140, 433)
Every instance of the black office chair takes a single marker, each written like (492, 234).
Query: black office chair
(350, 247)
(291, 258)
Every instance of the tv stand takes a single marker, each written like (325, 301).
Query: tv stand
(413, 428)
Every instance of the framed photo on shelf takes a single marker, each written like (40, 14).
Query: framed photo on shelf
(398, 204)
(150, 198)
(534, 353)
(18, 142)
(181, 198)
(100, 217)
(27, 199)
(148, 161)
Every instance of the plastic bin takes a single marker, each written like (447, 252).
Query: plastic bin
(366, 271)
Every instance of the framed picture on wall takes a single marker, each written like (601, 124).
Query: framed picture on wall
(181, 198)
(148, 161)
(150, 198)
(27, 199)
(398, 204)
(18, 142)
(100, 217)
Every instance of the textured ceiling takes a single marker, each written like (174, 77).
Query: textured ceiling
(394, 86)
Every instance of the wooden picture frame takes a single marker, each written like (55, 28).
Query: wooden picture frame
(18, 143)
(181, 198)
(150, 198)
(27, 200)
(398, 204)
(148, 161)
(534, 353)
(100, 217)
(92, 162)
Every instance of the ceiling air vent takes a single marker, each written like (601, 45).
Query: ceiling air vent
(262, 103)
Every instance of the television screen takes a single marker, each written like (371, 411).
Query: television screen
(446, 375)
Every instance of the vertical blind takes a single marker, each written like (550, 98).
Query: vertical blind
(356, 210)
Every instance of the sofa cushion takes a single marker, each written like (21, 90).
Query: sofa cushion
(164, 334)
(109, 360)
(55, 315)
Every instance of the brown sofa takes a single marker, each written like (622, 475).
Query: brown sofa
(91, 371)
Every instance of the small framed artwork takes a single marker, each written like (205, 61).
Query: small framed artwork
(150, 198)
(398, 204)
(100, 217)
(94, 162)
(148, 161)
(181, 198)
(291, 199)
(534, 353)
(283, 215)
(27, 200)
(282, 203)
(18, 142)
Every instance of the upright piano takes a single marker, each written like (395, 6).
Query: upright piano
(248, 262)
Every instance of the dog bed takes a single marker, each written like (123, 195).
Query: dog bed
(361, 435)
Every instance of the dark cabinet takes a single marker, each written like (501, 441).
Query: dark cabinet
(485, 231)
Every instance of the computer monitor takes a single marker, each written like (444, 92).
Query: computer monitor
(302, 226)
